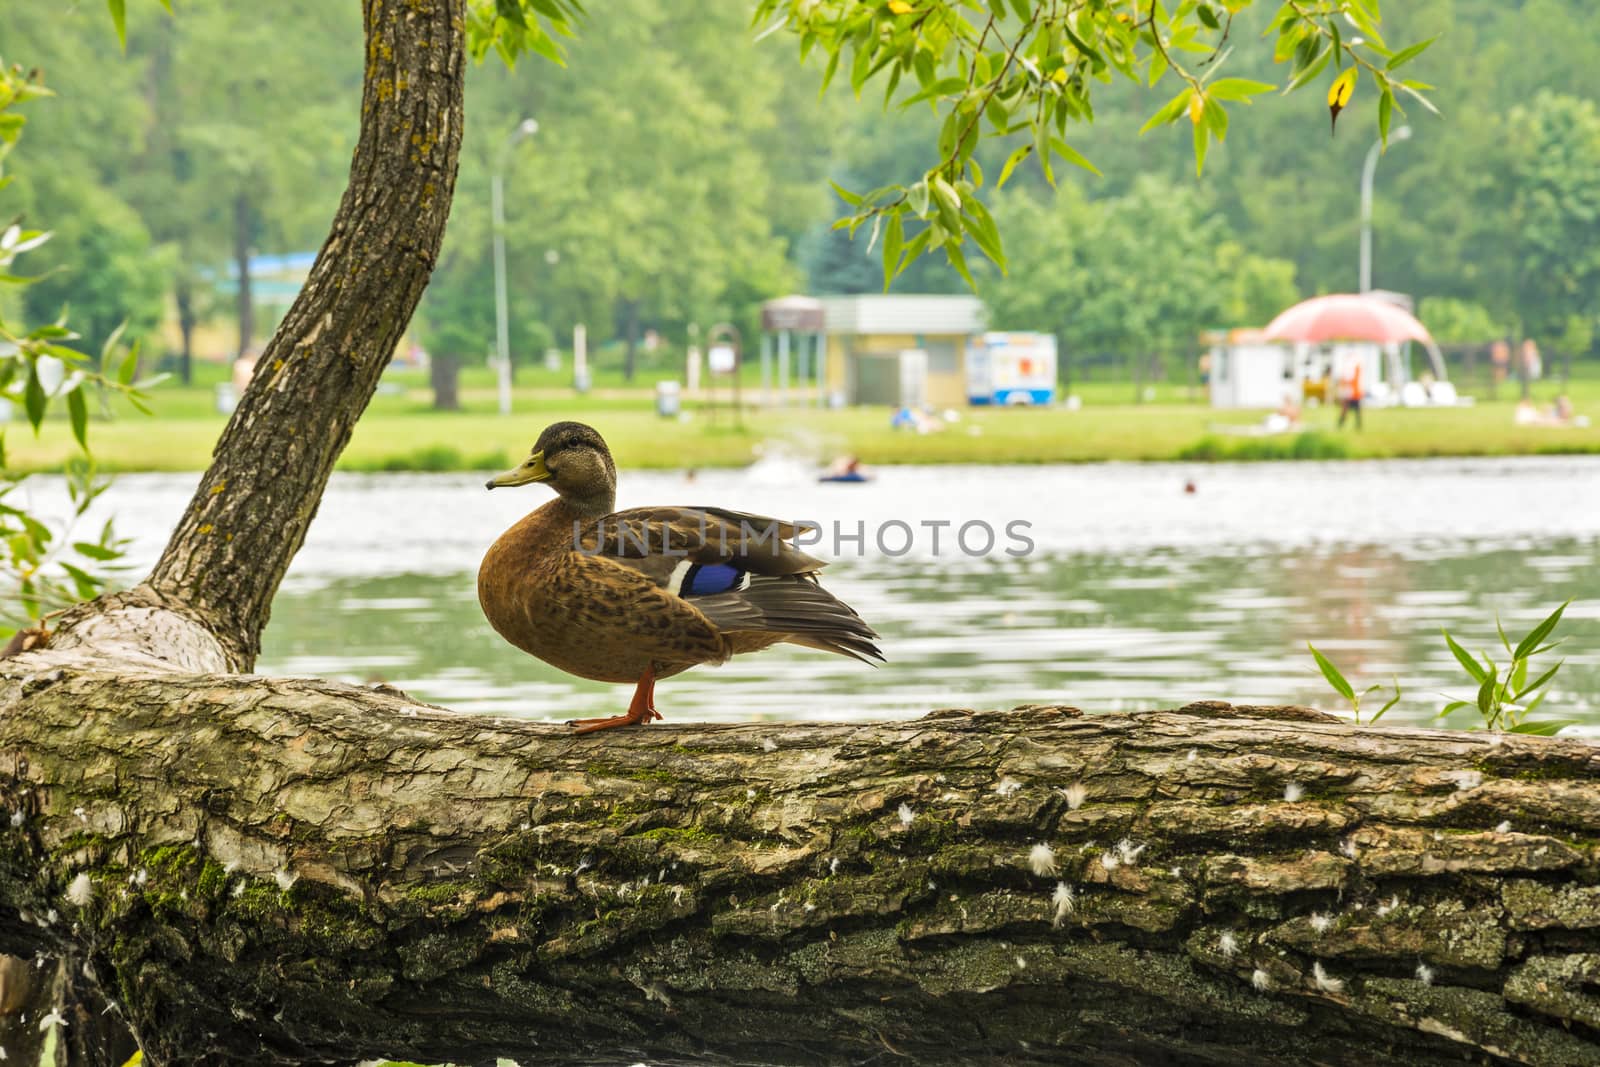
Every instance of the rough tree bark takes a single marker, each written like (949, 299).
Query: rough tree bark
(292, 871)
(312, 872)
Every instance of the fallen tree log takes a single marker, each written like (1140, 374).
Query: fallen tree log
(299, 871)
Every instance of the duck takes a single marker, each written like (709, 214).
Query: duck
(646, 593)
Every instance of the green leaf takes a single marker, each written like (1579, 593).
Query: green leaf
(1392, 701)
(1463, 657)
(949, 200)
(1202, 141)
(1406, 55)
(33, 398)
(853, 199)
(828, 72)
(85, 584)
(1072, 155)
(1414, 89)
(95, 552)
(860, 68)
(1540, 632)
(1538, 684)
(78, 411)
(959, 261)
(1331, 673)
(1011, 164)
(917, 246)
(1544, 727)
(917, 197)
(1169, 112)
(119, 19)
(893, 241)
(511, 11)
(1486, 694)
(1237, 89)
(1385, 113)
(985, 233)
(130, 365)
(1315, 67)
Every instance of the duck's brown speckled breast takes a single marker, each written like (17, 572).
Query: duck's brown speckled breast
(536, 605)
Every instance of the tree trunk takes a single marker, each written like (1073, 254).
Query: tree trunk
(444, 374)
(630, 330)
(242, 226)
(186, 323)
(251, 510)
(295, 871)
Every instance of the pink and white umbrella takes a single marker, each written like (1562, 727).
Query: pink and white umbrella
(1347, 317)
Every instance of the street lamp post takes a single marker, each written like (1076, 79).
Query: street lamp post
(1367, 172)
(497, 197)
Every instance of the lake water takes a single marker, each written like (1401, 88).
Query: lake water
(1135, 593)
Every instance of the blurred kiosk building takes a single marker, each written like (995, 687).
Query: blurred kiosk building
(1012, 369)
(899, 350)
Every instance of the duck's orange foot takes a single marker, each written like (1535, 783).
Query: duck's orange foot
(641, 709)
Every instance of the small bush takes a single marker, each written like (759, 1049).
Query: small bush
(1214, 449)
(432, 458)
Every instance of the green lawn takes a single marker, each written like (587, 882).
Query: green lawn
(400, 431)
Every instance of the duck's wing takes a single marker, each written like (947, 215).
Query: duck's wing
(658, 540)
(606, 596)
(736, 570)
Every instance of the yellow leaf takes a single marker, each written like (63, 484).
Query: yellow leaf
(1343, 87)
(1059, 76)
(899, 7)
(1197, 108)
(1339, 93)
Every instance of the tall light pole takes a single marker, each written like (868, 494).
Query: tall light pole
(497, 197)
(1367, 171)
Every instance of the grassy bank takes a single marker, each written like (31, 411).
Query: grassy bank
(401, 432)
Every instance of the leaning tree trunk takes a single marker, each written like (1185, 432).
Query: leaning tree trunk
(301, 872)
(250, 513)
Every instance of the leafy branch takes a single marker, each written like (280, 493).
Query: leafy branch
(1027, 66)
(42, 567)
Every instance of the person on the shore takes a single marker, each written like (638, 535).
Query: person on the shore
(1350, 394)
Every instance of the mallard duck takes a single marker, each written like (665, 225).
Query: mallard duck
(643, 594)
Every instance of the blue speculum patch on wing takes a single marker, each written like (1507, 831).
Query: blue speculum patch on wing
(711, 578)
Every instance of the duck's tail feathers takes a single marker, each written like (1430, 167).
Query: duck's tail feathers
(799, 609)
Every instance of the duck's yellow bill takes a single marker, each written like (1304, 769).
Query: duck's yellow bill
(532, 470)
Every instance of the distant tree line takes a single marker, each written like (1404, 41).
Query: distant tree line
(680, 173)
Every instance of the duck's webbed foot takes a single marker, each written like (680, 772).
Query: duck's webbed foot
(641, 709)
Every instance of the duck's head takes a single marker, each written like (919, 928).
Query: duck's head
(574, 461)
